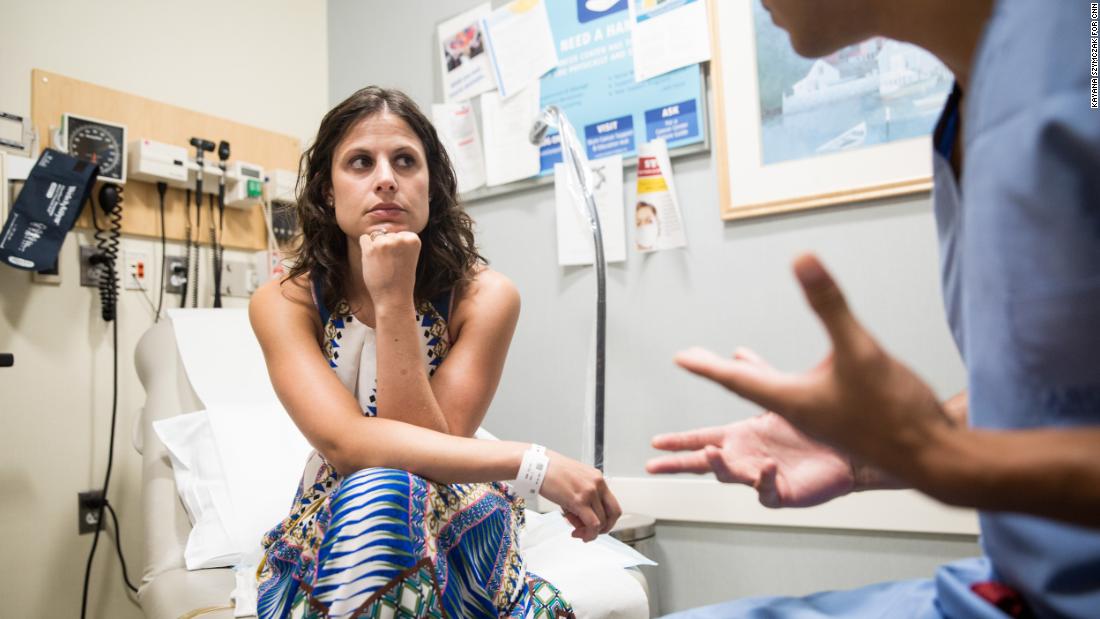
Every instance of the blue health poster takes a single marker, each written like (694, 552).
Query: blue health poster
(594, 85)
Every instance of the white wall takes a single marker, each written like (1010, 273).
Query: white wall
(731, 286)
(257, 62)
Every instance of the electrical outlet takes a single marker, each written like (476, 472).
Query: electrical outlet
(268, 265)
(175, 268)
(238, 279)
(137, 267)
(88, 503)
(89, 273)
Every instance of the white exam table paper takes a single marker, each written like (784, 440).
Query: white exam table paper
(216, 343)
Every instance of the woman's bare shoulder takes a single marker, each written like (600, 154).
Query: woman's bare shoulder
(283, 299)
(487, 295)
(487, 285)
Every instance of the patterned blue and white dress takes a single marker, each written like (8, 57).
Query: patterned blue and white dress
(387, 543)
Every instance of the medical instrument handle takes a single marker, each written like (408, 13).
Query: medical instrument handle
(201, 146)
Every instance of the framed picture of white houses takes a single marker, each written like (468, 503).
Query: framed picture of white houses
(794, 133)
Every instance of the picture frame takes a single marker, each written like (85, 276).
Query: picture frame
(792, 134)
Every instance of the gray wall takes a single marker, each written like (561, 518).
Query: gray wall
(731, 286)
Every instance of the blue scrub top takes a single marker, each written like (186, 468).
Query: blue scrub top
(1020, 253)
(1020, 256)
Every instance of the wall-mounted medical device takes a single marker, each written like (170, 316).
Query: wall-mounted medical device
(281, 185)
(27, 144)
(16, 163)
(14, 170)
(155, 162)
(98, 141)
(245, 184)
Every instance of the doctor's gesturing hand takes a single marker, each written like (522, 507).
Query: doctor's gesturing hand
(859, 405)
(783, 465)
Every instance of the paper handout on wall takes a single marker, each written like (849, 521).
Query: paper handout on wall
(521, 45)
(658, 223)
(667, 35)
(575, 242)
(457, 128)
(509, 153)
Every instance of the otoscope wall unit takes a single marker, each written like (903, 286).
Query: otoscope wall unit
(159, 138)
(156, 162)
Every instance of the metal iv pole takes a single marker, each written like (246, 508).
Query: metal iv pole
(577, 164)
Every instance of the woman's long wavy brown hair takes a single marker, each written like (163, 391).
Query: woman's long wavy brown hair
(448, 254)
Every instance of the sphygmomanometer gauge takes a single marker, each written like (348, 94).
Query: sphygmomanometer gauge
(99, 142)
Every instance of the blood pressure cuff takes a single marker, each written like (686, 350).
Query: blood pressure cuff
(45, 210)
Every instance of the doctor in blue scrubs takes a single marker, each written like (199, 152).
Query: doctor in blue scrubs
(1017, 207)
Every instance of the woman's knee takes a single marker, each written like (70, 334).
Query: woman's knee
(374, 481)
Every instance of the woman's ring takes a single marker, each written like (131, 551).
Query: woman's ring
(377, 233)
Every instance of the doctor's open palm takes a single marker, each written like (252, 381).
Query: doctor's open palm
(858, 400)
(784, 466)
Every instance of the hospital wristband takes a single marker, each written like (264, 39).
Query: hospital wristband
(532, 472)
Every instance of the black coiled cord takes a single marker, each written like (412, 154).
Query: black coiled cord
(107, 242)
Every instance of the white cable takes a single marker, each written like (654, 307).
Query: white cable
(272, 242)
(144, 293)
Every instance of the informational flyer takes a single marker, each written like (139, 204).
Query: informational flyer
(668, 35)
(575, 240)
(521, 46)
(594, 85)
(658, 223)
(457, 126)
(509, 153)
(463, 60)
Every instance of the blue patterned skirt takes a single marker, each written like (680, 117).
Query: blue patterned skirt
(387, 543)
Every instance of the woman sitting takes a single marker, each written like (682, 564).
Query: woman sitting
(400, 511)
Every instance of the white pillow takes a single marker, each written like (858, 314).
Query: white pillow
(236, 469)
(202, 488)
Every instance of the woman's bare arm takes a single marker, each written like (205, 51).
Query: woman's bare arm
(288, 329)
(485, 315)
(457, 396)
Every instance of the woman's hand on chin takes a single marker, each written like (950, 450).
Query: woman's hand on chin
(389, 265)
